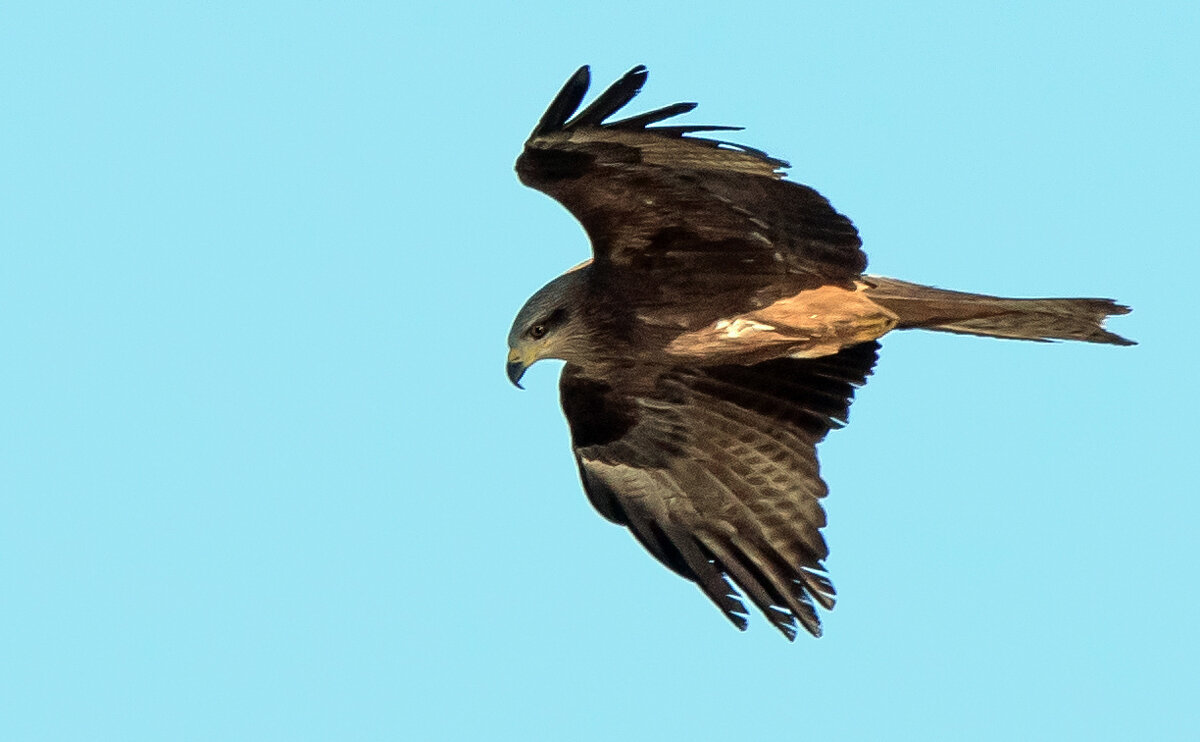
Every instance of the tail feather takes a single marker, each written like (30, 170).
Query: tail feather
(1042, 320)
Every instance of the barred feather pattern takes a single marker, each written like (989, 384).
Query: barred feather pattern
(715, 473)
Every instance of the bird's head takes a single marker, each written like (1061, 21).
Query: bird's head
(548, 326)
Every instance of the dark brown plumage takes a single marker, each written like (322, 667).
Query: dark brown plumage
(714, 339)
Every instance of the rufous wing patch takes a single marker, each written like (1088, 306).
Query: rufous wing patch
(813, 323)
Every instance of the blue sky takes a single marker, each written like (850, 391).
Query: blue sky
(262, 477)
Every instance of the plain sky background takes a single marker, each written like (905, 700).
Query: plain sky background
(262, 476)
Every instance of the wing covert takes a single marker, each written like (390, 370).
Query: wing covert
(655, 198)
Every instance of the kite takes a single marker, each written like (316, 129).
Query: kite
(715, 337)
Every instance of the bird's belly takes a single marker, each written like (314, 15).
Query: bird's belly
(810, 324)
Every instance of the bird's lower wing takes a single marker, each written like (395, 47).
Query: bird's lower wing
(714, 471)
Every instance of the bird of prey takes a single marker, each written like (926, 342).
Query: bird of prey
(713, 339)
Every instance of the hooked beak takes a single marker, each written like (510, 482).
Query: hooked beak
(515, 368)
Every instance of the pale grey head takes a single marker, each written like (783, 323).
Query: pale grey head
(549, 325)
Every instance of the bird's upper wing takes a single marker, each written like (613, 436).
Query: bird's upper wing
(655, 199)
(714, 471)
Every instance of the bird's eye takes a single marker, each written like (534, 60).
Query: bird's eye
(537, 332)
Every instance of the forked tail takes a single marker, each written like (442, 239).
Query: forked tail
(928, 308)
